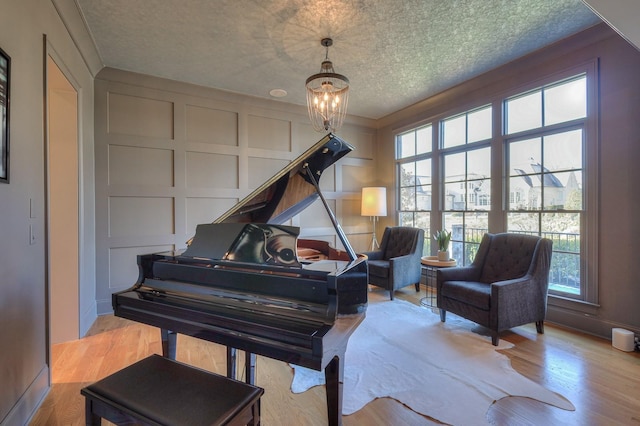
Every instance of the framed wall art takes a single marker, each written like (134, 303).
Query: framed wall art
(5, 71)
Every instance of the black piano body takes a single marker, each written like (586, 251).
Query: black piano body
(248, 282)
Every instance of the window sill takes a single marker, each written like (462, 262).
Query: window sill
(580, 306)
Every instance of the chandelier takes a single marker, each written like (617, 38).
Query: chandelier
(327, 95)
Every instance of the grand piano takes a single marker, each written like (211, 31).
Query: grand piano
(247, 281)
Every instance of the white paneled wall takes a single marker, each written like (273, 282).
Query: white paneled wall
(170, 156)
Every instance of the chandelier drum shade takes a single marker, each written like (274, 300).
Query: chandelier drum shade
(327, 95)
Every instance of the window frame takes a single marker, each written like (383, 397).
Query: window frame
(463, 245)
(499, 204)
(588, 228)
(399, 186)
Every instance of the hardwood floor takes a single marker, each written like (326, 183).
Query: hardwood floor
(602, 382)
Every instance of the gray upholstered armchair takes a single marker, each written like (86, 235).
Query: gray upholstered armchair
(397, 263)
(505, 286)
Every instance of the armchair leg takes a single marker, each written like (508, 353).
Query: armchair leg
(443, 315)
(540, 327)
(417, 287)
(495, 338)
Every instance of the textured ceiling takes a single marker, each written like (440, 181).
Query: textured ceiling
(395, 52)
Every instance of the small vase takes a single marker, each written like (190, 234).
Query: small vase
(443, 256)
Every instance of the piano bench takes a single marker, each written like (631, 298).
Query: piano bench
(161, 391)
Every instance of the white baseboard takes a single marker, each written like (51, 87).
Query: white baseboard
(30, 400)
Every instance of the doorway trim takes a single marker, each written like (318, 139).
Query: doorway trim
(73, 211)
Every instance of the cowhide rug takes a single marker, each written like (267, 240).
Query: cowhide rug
(441, 370)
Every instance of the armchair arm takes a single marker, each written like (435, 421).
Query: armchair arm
(519, 301)
(460, 273)
(405, 269)
(405, 261)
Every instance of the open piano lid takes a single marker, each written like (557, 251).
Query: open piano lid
(286, 194)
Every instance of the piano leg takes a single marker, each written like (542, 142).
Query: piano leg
(231, 362)
(334, 376)
(169, 339)
(250, 367)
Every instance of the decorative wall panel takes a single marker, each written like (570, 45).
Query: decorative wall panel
(304, 136)
(316, 216)
(205, 210)
(205, 170)
(362, 141)
(140, 216)
(351, 213)
(212, 126)
(261, 169)
(130, 165)
(269, 133)
(133, 115)
(328, 179)
(354, 178)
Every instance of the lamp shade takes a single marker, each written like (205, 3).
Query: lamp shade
(374, 201)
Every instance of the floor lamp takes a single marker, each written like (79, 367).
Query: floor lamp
(374, 205)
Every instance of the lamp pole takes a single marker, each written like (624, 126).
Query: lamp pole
(374, 240)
